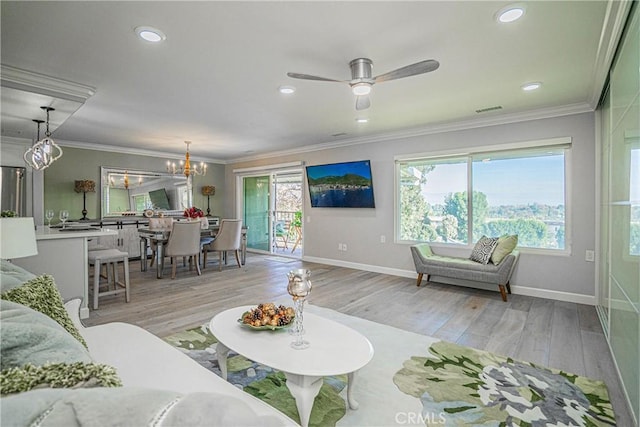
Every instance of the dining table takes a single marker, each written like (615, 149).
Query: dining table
(160, 236)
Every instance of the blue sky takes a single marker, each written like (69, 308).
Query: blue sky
(505, 182)
(339, 169)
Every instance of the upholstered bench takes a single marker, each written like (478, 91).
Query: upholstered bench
(431, 264)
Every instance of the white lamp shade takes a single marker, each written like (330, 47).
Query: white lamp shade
(18, 238)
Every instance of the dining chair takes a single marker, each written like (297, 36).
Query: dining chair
(229, 238)
(184, 241)
(157, 224)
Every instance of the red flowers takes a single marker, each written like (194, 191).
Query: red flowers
(193, 212)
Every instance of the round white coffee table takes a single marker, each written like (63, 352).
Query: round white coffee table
(334, 350)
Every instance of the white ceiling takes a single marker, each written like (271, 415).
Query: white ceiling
(214, 80)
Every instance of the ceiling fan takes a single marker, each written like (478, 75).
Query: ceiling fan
(362, 80)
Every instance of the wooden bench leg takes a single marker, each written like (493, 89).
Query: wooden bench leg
(419, 279)
(508, 287)
(503, 292)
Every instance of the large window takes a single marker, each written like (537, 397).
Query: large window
(512, 192)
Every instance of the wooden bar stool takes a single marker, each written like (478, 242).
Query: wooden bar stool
(110, 259)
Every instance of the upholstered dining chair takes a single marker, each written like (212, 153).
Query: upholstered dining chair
(158, 224)
(229, 238)
(184, 241)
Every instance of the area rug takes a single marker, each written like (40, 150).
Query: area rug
(419, 380)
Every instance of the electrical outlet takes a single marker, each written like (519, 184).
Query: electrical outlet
(339, 246)
(344, 246)
(589, 256)
(383, 238)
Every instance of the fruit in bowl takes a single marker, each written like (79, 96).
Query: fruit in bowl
(268, 316)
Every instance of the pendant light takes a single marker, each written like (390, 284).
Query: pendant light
(45, 151)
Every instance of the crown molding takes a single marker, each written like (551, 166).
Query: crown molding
(134, 151)
(503, 119)
(29, 81)
(610, 36)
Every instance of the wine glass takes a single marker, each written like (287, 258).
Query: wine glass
(49, 214)
(64, 216)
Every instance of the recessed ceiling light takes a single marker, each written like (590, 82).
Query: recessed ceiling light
(510, 13)
(531, 86)
(150, 34)
(287, 90)
(362, 120)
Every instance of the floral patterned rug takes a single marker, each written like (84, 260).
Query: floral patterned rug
(262, 381)
(416, 380)
(475, 387)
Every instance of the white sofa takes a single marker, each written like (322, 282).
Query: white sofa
(144, 360)
(161, 386)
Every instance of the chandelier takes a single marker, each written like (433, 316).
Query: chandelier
(45, 151)
(185, 168)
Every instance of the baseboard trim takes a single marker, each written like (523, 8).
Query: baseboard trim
(515, 289)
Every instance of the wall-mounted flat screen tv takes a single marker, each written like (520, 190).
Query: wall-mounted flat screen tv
(341, 185)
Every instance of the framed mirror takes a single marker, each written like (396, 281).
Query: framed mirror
(132, 192)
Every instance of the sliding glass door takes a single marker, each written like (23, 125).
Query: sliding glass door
(257, 206)
(272, 211)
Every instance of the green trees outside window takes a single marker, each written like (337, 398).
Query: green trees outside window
(518, 192)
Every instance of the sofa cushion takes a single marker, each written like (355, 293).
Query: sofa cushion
(506, 245)
(483, 249)
(30, 337)
(129, 407)
(41, 294)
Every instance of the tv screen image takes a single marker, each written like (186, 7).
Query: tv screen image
(159, 199)
(341, 185)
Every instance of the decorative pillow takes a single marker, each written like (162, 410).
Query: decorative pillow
(30, 337)
(482, 251)
(506, 245)
(58, 375)
(41, 294)
(12, 276)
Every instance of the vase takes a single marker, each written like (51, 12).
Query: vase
(299, 288)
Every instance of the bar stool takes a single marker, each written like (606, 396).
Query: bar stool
(110, 258)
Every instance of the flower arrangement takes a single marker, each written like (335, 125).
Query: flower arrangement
(193, 212)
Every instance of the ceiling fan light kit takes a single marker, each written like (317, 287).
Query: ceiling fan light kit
(362, 81)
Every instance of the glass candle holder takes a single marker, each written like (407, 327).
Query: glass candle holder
(299, 288)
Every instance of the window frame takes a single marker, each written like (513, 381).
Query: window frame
(557, 143)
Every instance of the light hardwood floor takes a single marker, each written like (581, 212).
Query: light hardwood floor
(555, 334)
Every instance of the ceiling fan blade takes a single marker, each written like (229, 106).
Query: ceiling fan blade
(310, 77)
(362, 102)
(409, 70)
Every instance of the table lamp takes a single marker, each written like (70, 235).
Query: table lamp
(208, 190)
(18, 238)
(85, 186)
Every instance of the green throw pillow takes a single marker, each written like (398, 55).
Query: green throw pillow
(506, 245)
(41, 294)
(58, 375)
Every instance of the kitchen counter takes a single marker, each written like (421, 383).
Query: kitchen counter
(63, 255)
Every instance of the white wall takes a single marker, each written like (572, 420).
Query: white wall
(567, 277)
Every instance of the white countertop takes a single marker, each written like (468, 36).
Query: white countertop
(57, 233)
